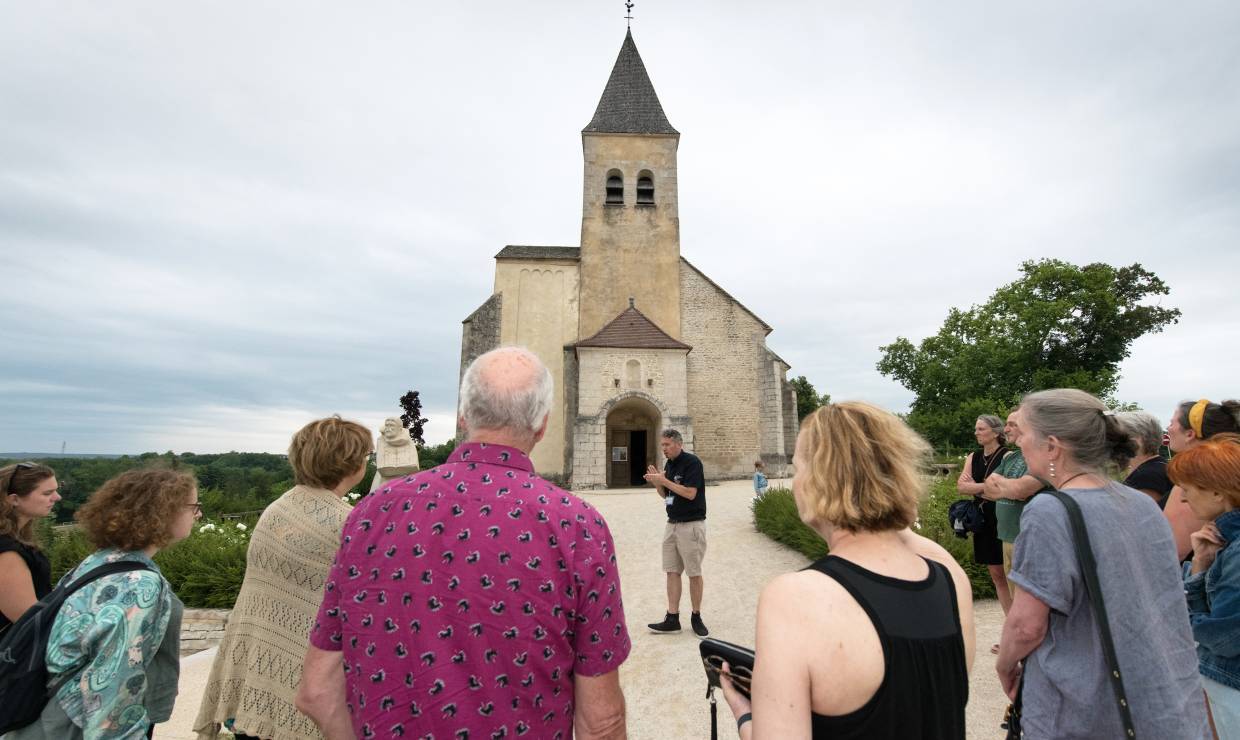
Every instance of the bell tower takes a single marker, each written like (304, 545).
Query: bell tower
(630, 222)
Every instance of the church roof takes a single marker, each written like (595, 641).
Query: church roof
(632, 330)
(529, 252)
(629, 104)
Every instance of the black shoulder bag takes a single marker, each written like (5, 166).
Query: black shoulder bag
(1089, 571)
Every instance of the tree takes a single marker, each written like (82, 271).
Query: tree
(412, 418)
(807, 398)
(1058, 326)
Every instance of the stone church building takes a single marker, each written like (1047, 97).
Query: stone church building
(636, 337)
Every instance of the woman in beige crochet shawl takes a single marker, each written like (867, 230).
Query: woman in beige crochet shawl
(258, 667)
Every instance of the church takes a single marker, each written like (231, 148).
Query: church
(637, 339)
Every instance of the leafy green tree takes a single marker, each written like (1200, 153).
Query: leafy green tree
(1058, 326)
(807, 397)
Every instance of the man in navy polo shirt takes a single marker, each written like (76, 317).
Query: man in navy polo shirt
(682, 486)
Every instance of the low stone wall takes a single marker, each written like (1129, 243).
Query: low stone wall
(202, 629)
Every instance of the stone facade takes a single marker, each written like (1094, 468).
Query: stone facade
(202, 629)
(540, 313)
(653, 381)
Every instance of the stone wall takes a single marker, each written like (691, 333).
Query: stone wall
(775, 455)
(202, 629)
(479, 335)
(727, 376)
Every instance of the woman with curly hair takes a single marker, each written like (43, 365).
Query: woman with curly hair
(115, 643)
(254, 679)
(28, 491)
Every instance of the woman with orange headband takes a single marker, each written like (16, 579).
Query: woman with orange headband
(1209, 475)
(1191, 423)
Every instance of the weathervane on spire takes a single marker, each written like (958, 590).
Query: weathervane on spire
(628, 6)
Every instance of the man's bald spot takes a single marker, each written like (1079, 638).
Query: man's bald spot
(509, 369)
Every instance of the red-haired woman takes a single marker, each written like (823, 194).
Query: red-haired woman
(1193, 422)
(1209, 476)
(28, 491)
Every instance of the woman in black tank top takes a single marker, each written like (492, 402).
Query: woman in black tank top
(876, 639)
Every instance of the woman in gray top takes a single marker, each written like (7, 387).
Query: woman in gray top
(1068, 439)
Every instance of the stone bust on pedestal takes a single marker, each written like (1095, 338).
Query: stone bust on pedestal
(395, 454)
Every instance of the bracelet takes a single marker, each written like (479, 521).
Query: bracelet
(747, 716)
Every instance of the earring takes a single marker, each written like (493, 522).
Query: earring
(1052, 468)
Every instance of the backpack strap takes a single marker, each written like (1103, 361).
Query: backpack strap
(1089, 570)
(58, 597)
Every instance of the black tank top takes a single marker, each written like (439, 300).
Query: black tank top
(983, 465)
(926, 682)
(40, 569)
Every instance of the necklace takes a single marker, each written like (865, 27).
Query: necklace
(988, 461)
(1072, 477)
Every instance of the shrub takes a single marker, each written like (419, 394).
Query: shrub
(775, 515)
(205, 569)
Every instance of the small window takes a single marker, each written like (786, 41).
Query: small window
(645, 189)
(615, 189)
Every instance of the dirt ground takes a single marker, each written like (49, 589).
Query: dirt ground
(663, 682)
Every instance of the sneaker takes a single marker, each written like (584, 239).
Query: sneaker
(699, 628)
(670, 623)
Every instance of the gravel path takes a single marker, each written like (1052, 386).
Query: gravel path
(663, 681)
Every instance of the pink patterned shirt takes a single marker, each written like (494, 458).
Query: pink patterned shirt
(466, 597)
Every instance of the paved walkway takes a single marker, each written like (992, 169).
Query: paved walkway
(663, 681)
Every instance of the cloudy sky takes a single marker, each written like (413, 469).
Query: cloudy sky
(221, 220)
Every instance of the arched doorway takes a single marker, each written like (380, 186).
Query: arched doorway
(632, 433)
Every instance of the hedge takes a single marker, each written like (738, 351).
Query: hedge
(775, 515)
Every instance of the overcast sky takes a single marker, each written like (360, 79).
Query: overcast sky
(221, 220)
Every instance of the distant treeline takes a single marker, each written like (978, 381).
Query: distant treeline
(229, 482)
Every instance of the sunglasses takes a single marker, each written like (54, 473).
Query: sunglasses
(740, 675)
(19, 466)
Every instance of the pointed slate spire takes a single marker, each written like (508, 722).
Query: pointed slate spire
(629, 104)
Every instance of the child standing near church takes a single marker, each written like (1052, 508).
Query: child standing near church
(759, 480)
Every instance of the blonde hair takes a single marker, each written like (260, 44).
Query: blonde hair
(135, 510)
(326, 451)
(863, 468)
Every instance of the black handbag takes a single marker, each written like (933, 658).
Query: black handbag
(740, 666)
(1089, 572)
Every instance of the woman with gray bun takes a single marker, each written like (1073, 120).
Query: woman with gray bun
(1051, 649)
(1147, 470)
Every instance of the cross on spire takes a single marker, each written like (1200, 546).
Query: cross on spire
(628, 6)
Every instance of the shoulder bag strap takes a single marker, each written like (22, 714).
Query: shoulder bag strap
(1089, 570)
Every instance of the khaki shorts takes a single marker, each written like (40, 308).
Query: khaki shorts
(684, 545)
(1009, 549)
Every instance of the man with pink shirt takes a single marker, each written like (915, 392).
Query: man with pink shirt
(474, 599)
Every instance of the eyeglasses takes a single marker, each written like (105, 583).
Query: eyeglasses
(740, 675)
(196, 507)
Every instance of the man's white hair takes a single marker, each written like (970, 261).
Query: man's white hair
(514, 396)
